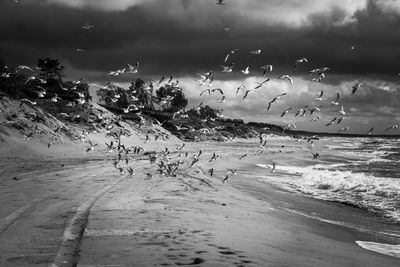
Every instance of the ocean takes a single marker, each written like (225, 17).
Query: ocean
(355, 182)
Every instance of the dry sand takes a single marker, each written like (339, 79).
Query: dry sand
(154, 220)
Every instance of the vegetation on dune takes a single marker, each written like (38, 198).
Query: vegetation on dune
(70, 101)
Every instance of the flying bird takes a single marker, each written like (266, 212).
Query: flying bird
(255, 52)
(299, 61)
(336, 101)
(286, 111)
(133, 69)
(355, 87)
(246, 71)
(319, 98)
(228, 68)
(287, 77)
(87, 26)
(394, 127)
(261, 84)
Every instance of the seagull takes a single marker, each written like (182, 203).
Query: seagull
(91, 146)
(266, 69)
(261, 84)
(246, 71)
(319, 98)
(242, 156)
(331, 122)
(22, 67)
(255, 52)
(222, 100)
(341, 111)
(246, 94)
(240, 87)
(315, 155)
(316, 118)
(355, 87)
(55, 98)
(217, 90)
(214, 157)
(340, 120)
(273, 167)
(80, 50)
(33, 103)
(161, 80)
(133, 69)
(27, 137)
(344, 129)
(287, 77)
(394, 127)
(370, 131)
(313, 109)
(228, 68)
(87, 26)
(286, 112)
(204, 91)
(211, 172)
(336, 102)
(225, 179)
(220, 2)
(299, 61)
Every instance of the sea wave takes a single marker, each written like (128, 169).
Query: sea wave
(376, 194)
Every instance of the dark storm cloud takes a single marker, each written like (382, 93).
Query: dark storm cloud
(181, 37)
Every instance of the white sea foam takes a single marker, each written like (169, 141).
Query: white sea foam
(320, 181)
(387, 249)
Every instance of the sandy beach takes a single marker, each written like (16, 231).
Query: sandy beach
(72, 208)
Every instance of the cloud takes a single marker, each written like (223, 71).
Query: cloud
(103, 5)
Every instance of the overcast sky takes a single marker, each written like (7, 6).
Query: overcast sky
(185, 37)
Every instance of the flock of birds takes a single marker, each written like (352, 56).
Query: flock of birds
(167, 164)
